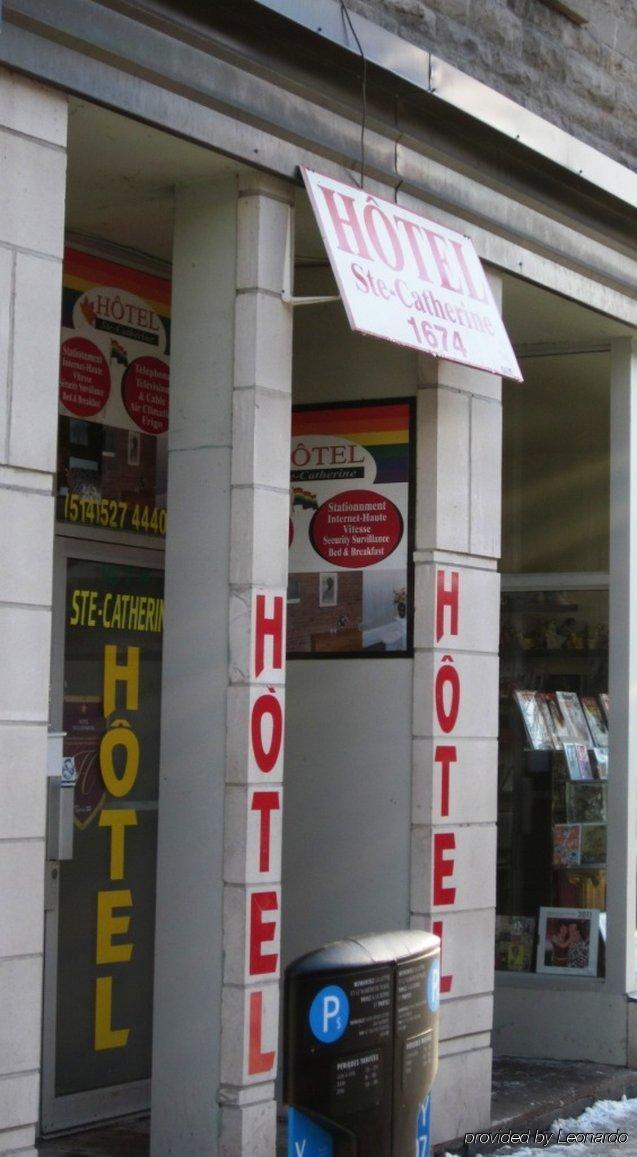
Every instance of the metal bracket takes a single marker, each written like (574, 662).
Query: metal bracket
(288, 265)
(289, 300)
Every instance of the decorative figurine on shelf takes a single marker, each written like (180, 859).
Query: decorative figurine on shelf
(569, 634)
(552, 640)
(400, 602)
(581, 638)
(598, 637)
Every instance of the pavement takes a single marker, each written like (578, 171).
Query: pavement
(129, 1137)
(532, 1094)
(527, 1094)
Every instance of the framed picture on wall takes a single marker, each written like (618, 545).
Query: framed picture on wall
(294, 590)
(134, 444)
(568, 941)
(328, 590)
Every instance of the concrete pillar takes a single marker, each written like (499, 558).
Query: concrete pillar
(32, 194)
(226, 563)
(256, 700)
(455, 719)
(622, 774)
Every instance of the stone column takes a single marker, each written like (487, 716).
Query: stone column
(32, 194)
(188, 949)
(222, 710)
(455, 718)
(622, 767)
(256, 700)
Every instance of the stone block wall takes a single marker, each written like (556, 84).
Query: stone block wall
(32, 191)
(581, 77)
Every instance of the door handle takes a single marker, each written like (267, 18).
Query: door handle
(61, 812)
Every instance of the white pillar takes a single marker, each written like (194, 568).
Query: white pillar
(455, 719)
(256, 699)
(32, 194)
(188, 950)
(622, 774)
(228, 510)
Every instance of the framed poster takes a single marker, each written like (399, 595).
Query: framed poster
(113, 397)
(568, 941)
(351, 530)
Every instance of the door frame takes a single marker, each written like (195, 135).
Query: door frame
(71, 1111)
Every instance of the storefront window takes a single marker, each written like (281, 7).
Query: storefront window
(553, 751)
(555, 466)
(112, 690)
(553, 762)
(553, 773)
(113, 402)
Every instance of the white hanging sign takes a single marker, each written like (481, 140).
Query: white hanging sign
(409, 280)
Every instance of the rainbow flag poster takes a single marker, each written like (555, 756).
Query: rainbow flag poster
(350, 469)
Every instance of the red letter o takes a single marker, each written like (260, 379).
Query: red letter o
(266, 705)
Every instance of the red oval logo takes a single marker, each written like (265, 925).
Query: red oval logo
(85, 379)
(145, 394)
(356, 528)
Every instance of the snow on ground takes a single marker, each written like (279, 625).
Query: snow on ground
(606, 1129)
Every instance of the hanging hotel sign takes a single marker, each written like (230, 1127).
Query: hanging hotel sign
(409, 280)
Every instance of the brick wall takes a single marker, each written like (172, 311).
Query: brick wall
(308, 617)
(580, 77)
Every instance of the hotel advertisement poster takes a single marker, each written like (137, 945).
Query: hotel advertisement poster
(350, 529)
(113, 397)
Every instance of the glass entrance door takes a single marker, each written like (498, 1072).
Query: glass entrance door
(101, 903)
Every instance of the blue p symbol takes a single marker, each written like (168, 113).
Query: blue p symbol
(329, 1014)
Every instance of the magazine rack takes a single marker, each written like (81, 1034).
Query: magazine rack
(551, 827)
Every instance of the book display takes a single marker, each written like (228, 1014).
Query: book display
(553, 770)
(577, 762)
(585, 803)
(514, 941)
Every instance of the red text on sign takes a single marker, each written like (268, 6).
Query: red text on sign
(447, 695)
(265, 802)
(445, 755)
(267, 715)
(443, 868)
(397, 241)
(268, 629)
(445, 981)
(258, 1061)
(447, 603)
(263, 931)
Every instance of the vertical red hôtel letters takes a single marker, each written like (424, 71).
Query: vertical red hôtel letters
(447, 696)
(266, 739)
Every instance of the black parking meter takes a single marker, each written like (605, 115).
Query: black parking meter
(361, 1046)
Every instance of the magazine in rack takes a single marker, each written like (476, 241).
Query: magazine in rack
(572, 713)
(595, 720)
(534, 718)
(553, 719)
(577, 762)
(585, 803)
(557, 722)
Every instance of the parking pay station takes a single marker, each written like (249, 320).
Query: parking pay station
(361, 1046)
